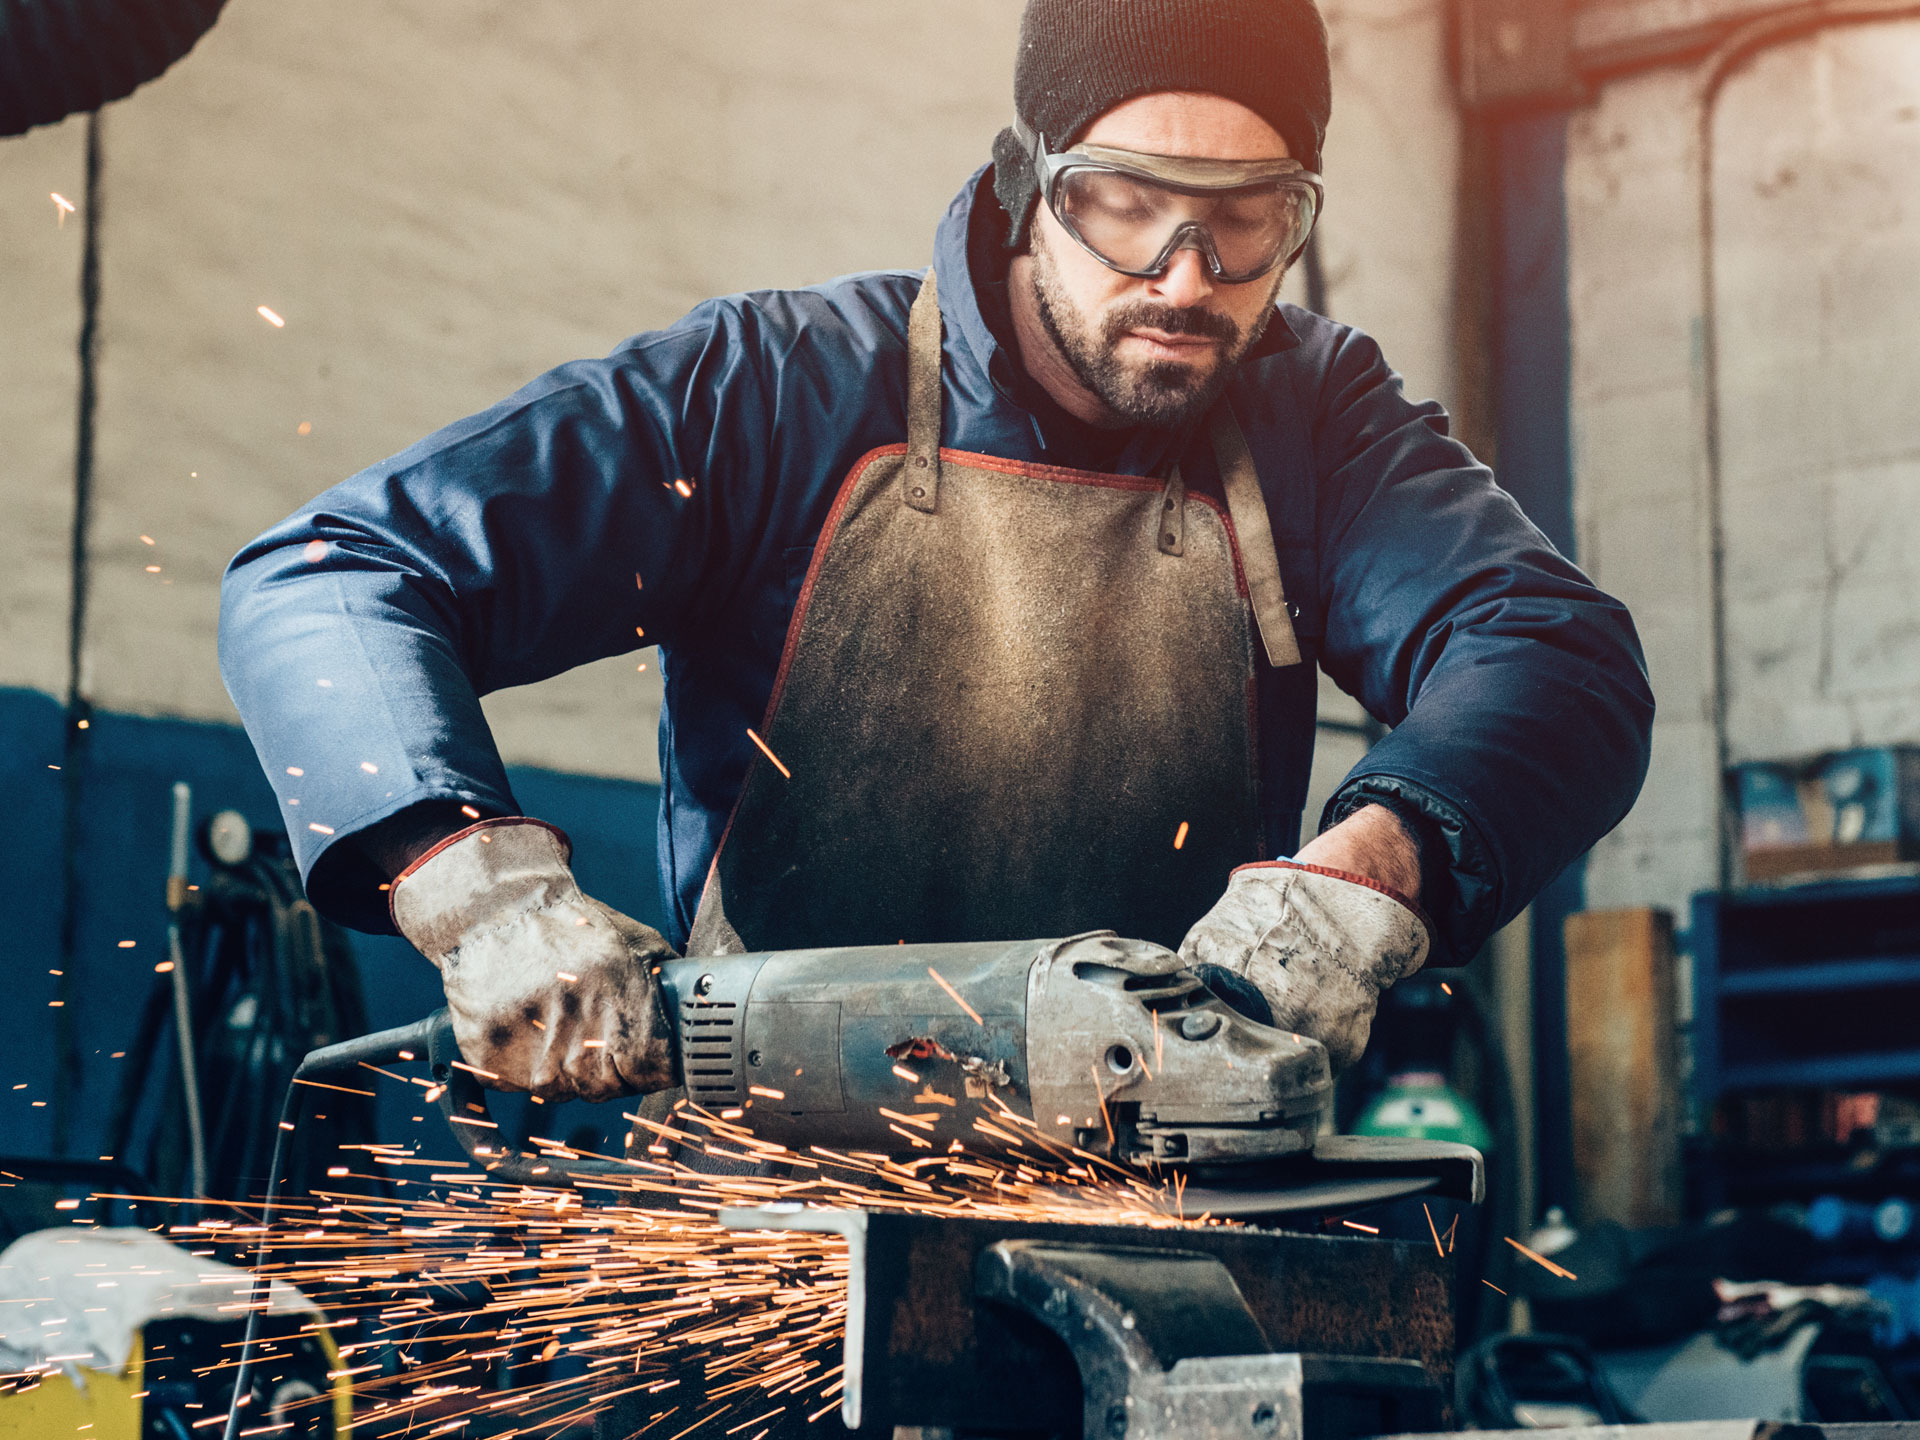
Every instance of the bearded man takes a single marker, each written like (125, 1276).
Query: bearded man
(1018, 569)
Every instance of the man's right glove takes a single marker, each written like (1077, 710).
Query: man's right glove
(550, 990)
(1318, 945)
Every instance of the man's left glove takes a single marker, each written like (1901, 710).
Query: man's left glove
(1319, 946)
(550, 990)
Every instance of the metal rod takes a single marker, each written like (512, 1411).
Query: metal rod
(182, 1001)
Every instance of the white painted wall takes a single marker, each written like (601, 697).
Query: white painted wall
(39, 366)
(445, 197)
(1388, 238)
(1817, 254)
(1818, 263)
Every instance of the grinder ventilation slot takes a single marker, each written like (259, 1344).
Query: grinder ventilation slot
(710, 1051)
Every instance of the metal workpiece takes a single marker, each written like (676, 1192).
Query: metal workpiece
(945, 1329)
(1341, 1172)
(1128, 1049)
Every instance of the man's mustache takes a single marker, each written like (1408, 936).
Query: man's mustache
(1170, 320)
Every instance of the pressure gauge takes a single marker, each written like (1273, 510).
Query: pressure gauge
(229, 838)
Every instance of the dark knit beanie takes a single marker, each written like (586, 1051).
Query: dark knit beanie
(1080, 58)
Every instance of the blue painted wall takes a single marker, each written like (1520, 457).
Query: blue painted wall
(128, 767)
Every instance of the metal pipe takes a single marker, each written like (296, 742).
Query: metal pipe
(1742, 45)
(182, 1000)
(79, 712)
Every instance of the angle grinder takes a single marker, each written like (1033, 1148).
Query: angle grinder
(1107, 1045)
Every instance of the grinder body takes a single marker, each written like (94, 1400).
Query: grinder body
(1106, 1043)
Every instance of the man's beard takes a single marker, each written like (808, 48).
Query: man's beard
(1164, 393)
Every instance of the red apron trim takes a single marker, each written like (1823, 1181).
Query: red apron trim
(1351, 879)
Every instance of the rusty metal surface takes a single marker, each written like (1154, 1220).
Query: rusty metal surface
(921, 1350)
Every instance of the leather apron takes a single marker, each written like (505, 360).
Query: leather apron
(1008, 689)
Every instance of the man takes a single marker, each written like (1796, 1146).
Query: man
(1017, 570)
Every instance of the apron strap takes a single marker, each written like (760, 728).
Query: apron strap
(1258, 557)
(1173, 514)
(920, 477)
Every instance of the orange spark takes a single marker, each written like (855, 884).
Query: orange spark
(1180, 835)
(270, 317)
(1433, 1230)
(1105, 1119)
(941, 981)
(1539, 1259)
(768, 753)
(1356, 1225)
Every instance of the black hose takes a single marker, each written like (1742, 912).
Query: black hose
(431, 1040)
(384, 1046)
(60, 57)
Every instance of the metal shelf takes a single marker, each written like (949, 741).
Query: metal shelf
(1821, 892)
(1814, 1072)
(1882, 970)
(1785, 981)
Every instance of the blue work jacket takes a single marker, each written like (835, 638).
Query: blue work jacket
(675, 489)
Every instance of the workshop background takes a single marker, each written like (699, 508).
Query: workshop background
(1661, 258)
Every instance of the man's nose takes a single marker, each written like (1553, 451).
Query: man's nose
(1187, 281)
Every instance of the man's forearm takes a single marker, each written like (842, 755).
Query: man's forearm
(1371, 843)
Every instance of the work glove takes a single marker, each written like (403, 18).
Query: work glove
(550, 990)
(1318, 945)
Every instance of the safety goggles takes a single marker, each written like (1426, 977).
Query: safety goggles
(1134, 212)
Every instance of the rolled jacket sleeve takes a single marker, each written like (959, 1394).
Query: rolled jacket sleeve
(1516, 688)
(551, 530)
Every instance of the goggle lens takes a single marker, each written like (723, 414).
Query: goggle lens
(1132, 222)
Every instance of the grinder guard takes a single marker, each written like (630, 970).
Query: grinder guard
(1183, 1078)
